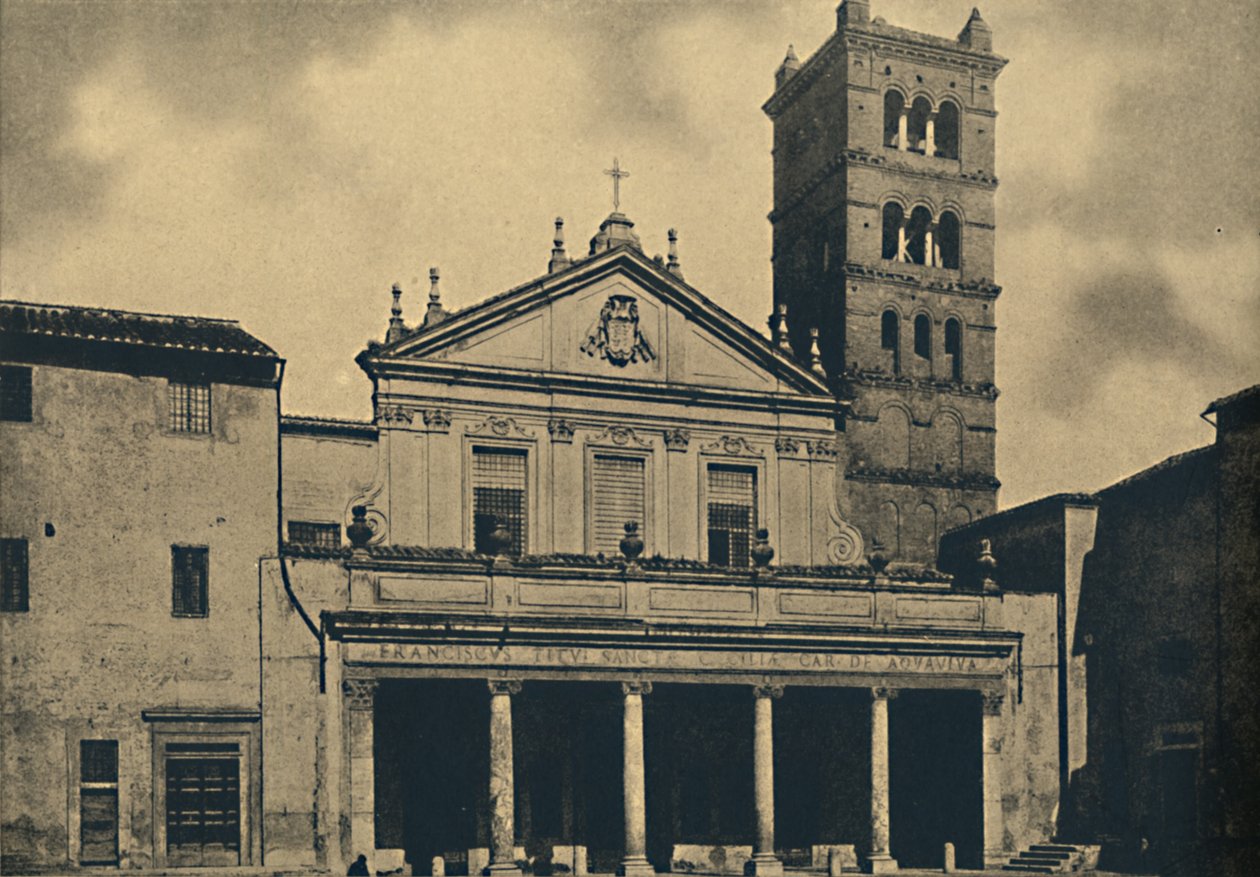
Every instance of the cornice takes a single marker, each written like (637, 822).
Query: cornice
(861, 158)
(879, 475)
(966, 289)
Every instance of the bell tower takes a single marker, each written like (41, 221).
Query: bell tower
(883, 228)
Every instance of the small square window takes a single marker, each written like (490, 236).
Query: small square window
(315, 533)
(190, 572)
(98, 761)
(189, 406)
(14, 576)
(15, 393)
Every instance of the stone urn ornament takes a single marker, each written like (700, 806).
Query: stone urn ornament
(632, 543)
(360, 531)
(500, 538)
(986, 563)
(878, 558)
(762, 551)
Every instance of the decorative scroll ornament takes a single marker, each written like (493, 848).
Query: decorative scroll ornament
(504, 686)
(992, 702)
(500, 426)
(677, 439)
(620, 435)
(360, 694)
(437, 420)
(637, 686)
(881, 693)
(771, 691)
(395, 415)
(845, 547)
(822, 449)
(615, 335)
(561, 430)
(786, 446)
(734, 445)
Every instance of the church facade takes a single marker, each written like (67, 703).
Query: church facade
(608, 582)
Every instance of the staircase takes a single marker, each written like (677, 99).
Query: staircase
(1050, 858)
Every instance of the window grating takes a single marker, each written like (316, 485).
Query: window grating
(617, 496)
(14, 576)
(189, 407)
(732, 514)
(314, 533)
(98, 761)
(499, 496)
(190, 569)
(15, 393)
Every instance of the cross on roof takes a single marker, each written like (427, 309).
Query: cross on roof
(617, 174)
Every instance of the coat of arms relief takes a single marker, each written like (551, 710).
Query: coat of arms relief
(615, 334)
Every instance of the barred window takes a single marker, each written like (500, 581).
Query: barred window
(315, 533)
(14, 576)
(190, 571)
(15, 393)
(617, 496)
(98, 761)
(732, 514)
(189, 407)
(499, 483)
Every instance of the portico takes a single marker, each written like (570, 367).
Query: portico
(706, 711)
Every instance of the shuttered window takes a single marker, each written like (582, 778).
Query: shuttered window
(203, 804)
(499, 483)
(14, 576)
(617, 496)
(732, 514)
(15, 393)
(190, 570)
(98, 802)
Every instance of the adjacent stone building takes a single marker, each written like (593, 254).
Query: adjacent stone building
(139, 477)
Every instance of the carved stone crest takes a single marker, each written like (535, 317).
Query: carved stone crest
(615, 335)
(734, 445)
(624, 436)
(500, 426)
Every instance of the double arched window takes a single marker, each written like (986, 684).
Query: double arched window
(918, 126)
(920, 238)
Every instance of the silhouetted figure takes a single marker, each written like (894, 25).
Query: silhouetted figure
(359, 868)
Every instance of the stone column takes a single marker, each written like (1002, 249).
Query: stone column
(764, 860)
(929, 135)
(360, 698)
(991, 772)
(635, 863)
(903, 244)
(903, 126)
(502, 785)
(929, 253)
(880, 860)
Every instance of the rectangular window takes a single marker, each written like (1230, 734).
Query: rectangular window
(189, 407)
(14, 576)
(190, 571)
(732, 514)
(315, 533)
(15, 393)
(98, 802)
(617, 496)
(499, 483)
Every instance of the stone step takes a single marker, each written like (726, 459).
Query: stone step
(1030, 869)
(1055, 848)
(1043, 858)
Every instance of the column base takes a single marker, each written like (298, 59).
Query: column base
(505, 869)
(764, 865)
(879, 864)
(636, 866)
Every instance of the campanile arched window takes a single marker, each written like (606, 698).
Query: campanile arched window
(953, 348)
(947, 130)
(890, 337)
(947, 240)
(917, 124)
(894, 110)
(917, 233)
(893, 240)
(923, 336)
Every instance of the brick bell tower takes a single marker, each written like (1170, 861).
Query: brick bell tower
(883, 242)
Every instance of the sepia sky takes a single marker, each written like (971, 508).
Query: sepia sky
(283, 163)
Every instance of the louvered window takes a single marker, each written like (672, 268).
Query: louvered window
(190, 569)
(617, 496)
(732, 514)
(499, 482)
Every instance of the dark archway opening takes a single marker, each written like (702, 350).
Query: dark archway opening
(935, 772)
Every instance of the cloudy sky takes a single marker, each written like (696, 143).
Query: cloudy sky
(283, 163)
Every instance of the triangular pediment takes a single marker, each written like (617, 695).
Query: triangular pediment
(616, 316)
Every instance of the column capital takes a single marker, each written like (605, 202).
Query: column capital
(636, 686)
(992, 701)
(360, 694)
(504, 686)
(767, 690)
(882, 693)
